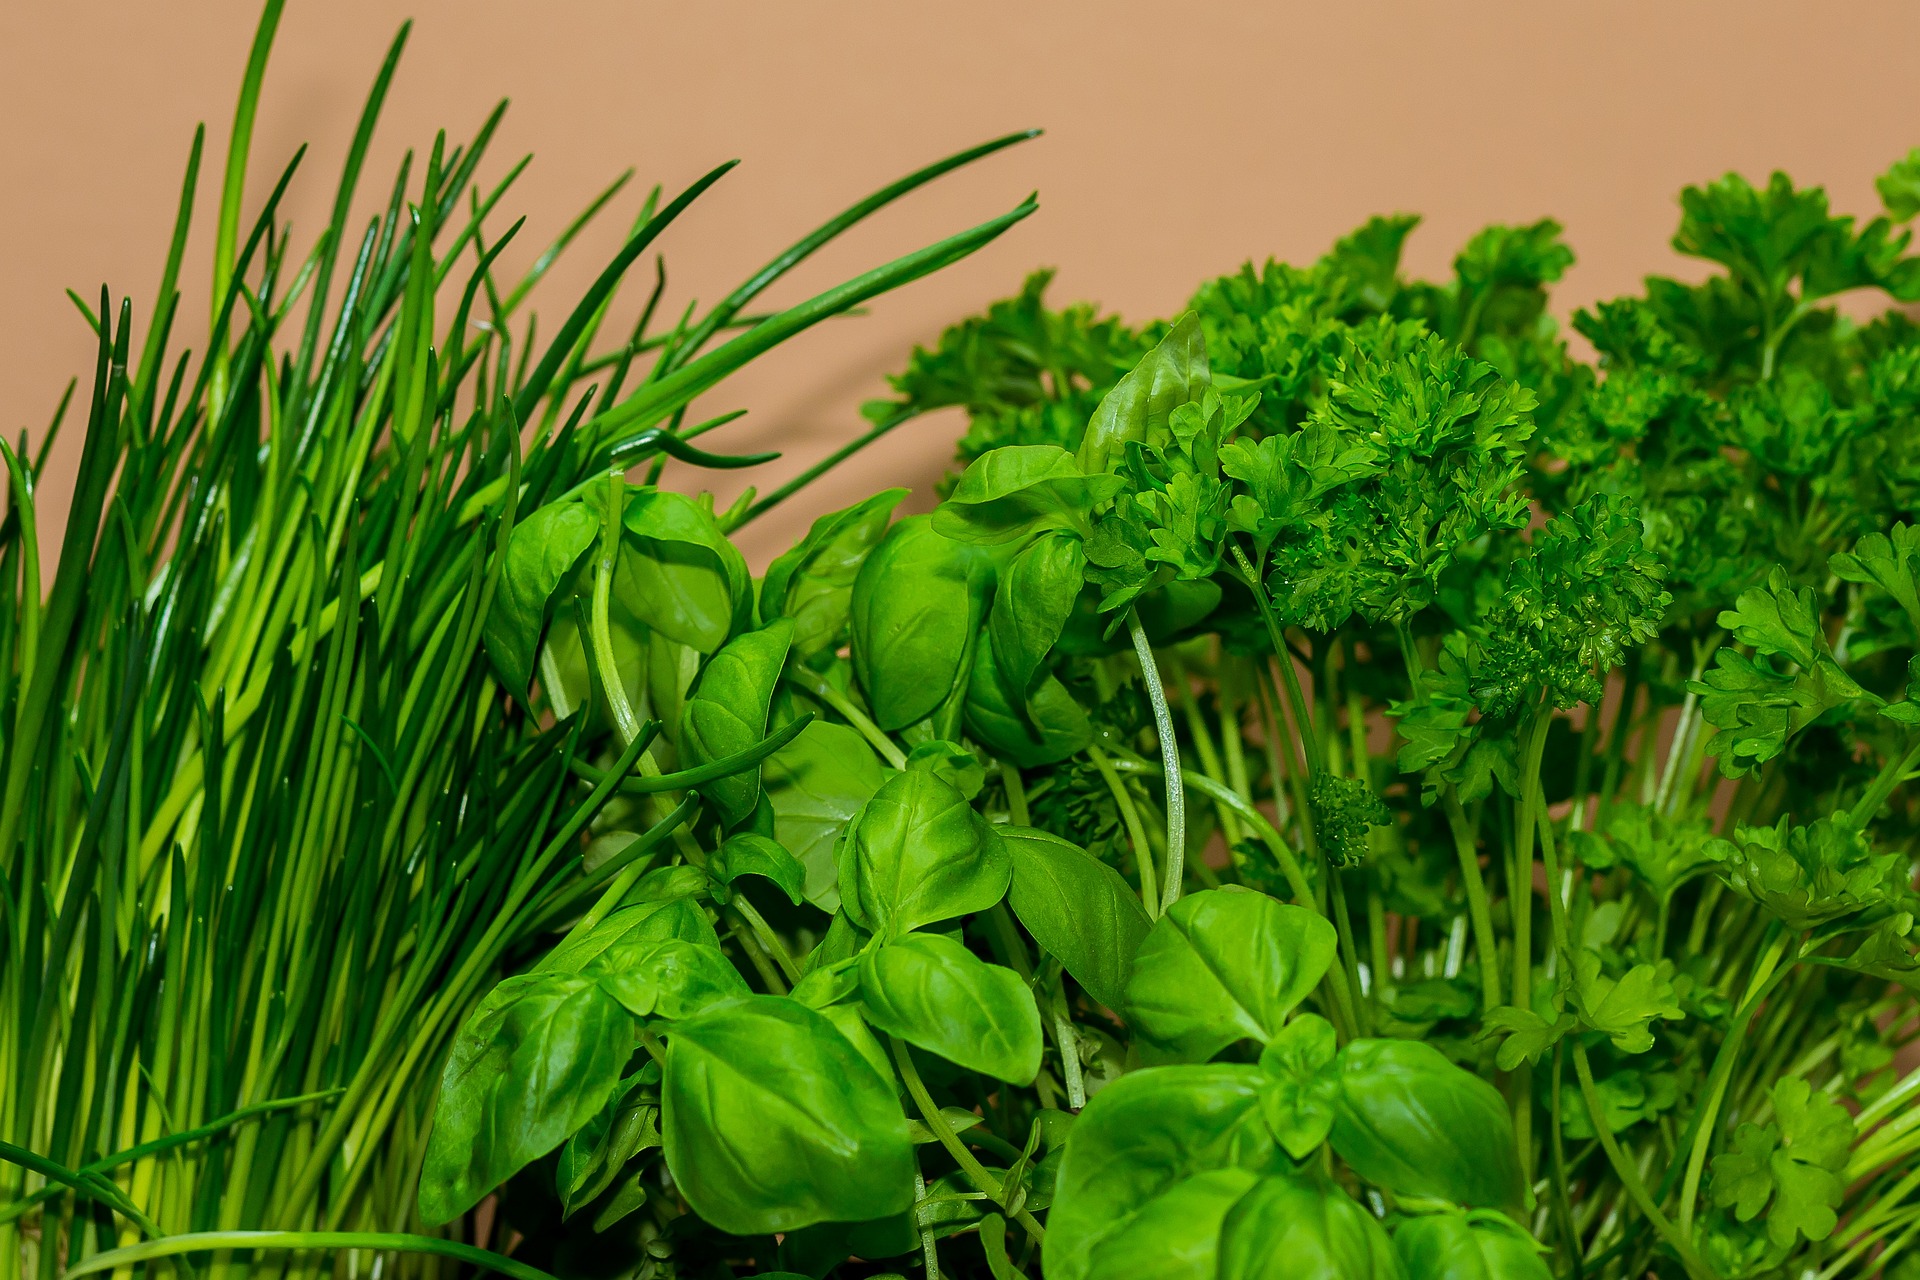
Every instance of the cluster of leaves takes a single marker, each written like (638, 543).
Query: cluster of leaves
(1339, 787)
(269, 828)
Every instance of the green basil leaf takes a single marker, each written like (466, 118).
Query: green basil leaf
(1410, 1121)
(918, 854)
(727, 714)
(1139, 1138)
(848, 1021)
(536, 1061)
(773, 1121)
(746, 854)
(952, 764)
(1043, 728)
(1299, 1102)
(1174, 373)
(679, 574)
(815, 785)
(1292, 1228)
(932, 992)
(1224, 965)
(1034, 599)
(542, 550)
(1176, 1235)
(915, 605)
(1458, 1246)
(1079, 909)
(668, 978)
(592, 1158)
(632, 929)
(813, 582)
(1012, 492)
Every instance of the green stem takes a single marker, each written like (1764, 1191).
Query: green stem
(1891, 775)
(378, 1242)
(931, 1115)
(1479, 909)
(1765, 977)
(1629, 1176)
(1136, 832)
(1520, 901)
(1169, 762)
(603, 656)
(1302, 715)
(821, 689)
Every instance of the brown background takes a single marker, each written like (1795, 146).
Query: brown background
(1181, 140)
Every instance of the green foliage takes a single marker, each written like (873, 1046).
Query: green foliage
(1790, 1167)
(357, 686)
(1094, 926)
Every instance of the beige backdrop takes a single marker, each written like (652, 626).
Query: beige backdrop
(1180, 141)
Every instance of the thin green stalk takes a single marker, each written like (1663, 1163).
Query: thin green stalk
(823, 691)
(1702, 1129)
(1169, 762)
(369, 1241)
(1623, 1169)
(1136, 833)
(1520, 899)
(936, 1120)
(1479, 909)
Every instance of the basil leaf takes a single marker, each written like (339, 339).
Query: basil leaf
(1410, 1121)
(1013, 492)
(1032, 604)
(679, 573)
(918, 854)
(1176, 1235)
(1224, 965)
(815, 785)
(538, 1059)
(747, 854)
(1079, 909)
(593, 1157)
(950, 763)
(1454, 1246)
(813, 582)
(632, 929)
(1292, 1228)
(1138, 1139)
(1174, 373)
(541, 551)
(727, 714)
(667, 978)
(915, 605)
(932, 992)
(774, 1122)
(1043, 728)
(1299, 1101)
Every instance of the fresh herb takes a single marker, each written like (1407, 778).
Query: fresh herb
(1339, 788)
(274, 815)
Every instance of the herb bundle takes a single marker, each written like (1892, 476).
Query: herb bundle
(268, 826)
(1340, 787)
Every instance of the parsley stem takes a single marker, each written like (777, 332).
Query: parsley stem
(1765, 977)
(1485, 943)
(1629, 1176)
(1533, 739)
(1891, 775)
(1169, 762)
(1136, 833)
(1296, 700)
